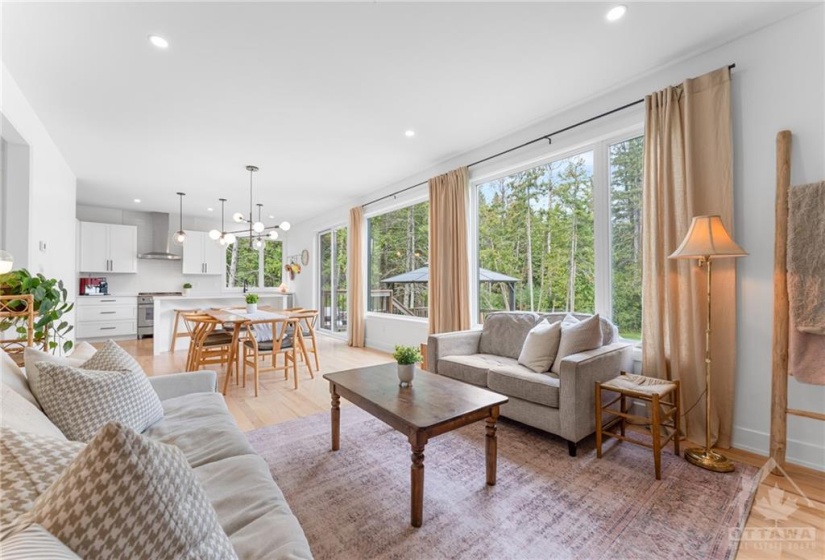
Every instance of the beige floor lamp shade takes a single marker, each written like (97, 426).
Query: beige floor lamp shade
(706, 240)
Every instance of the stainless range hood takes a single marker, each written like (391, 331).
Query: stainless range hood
(161, 236)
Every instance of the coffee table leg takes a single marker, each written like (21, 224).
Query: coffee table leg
(417, 481)
(336, 419)
(492, 446)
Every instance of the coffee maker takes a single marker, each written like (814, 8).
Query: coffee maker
(94, 286)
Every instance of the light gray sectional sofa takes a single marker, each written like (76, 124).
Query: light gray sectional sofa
(250, 507)
(560, 403)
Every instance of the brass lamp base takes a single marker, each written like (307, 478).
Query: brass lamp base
(710, 460)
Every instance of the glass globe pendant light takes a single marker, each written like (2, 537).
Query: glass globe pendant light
(6, 261)
(180, 236)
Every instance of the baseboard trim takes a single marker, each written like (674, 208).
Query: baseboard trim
(798, 452)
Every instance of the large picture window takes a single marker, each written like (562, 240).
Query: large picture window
(537, 232)
(535, 239)
(398, 274)
(254, 267)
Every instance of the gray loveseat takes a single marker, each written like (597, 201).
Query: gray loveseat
(251, 508)
(563, 403)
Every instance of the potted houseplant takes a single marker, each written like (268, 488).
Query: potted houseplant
(186, 288)
(407, 357)
(251, 303)
(50, 304)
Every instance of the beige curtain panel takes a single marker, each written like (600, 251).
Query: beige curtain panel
(688, 172)
(449, 297)
(355, 278)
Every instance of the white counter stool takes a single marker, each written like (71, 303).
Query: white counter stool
(663, 397)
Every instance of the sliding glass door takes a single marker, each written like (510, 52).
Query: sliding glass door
(333, 281)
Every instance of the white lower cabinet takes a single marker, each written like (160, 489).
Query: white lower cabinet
(106, 317)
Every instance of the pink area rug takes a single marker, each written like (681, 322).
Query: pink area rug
(354, 503)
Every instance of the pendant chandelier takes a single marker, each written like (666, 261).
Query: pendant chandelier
(180, 235)
(256, 229)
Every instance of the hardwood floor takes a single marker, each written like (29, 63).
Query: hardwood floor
(798, 532)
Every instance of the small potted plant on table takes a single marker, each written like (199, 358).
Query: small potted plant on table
(407, 357)
(251, 303)
(186, 287)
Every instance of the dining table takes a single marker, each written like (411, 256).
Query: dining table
(237, 317)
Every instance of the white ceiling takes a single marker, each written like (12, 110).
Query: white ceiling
(319, 95)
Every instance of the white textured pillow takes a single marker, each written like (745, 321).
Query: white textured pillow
(540, 346)
(14, 378)
(81, 401)
(31, 464)
(126, 496)
(32, 356)
(20, 414)
(578, 337)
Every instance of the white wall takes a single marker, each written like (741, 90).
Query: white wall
(778, 83)
(52, 187)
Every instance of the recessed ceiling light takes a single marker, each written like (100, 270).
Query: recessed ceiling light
(409, 133)
(137, 201)
(159, 41)
(271, 217)
(616, 12)
(210, 209)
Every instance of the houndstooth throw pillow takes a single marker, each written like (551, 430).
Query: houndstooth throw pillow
(31, 463)
(81, 401)
(112, 358)
(35, 543)
(126, 496)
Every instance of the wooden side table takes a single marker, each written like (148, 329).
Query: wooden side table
(663, 397)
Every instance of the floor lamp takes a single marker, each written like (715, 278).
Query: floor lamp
(707, 240)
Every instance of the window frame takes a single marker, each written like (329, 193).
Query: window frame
(599, 144)
(259, 288)
(394, 206)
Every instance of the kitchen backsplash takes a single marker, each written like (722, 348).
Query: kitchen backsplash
(160, 276)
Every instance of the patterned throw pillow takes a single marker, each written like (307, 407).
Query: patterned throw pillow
(31, 463)
(126, 496)
(81, 401)
(112, 358)
(35, 543)
(32, 356)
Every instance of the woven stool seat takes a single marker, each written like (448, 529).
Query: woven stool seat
(640, 384)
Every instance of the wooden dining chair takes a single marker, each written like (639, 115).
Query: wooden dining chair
(287, 340)
(210, 344)
(307, 321)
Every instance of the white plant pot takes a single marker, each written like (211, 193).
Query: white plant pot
(406, 373)
(251, 307)
(186, 291)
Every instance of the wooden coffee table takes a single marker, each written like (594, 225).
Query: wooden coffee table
(434, 405)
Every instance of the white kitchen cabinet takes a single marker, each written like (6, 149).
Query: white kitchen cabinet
(106, 317)
(108, 248)
(202, 255)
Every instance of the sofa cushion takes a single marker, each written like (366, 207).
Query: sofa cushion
(20, 414)
(251, 509)
(31, 463)
(81, 401)
(610, 333)
(540, 346)
(32, 356)
(473, 368)
(14, 378)
(578, 337)
(520, 382)
(35, 543)
(503, 333)
(202, 427)
(125, 496)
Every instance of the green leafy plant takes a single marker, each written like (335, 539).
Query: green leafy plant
(187, 286)
(406, 355)
(50, 305)
(251, 298)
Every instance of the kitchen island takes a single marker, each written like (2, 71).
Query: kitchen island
(165, 306)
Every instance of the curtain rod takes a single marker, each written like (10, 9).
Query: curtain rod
(547, 137)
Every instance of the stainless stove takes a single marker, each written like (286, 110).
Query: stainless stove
(146, 312)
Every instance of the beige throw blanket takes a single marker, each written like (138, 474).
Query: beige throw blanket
(806, 282)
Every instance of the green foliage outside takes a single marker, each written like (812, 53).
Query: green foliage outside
(626, 174)
(406, 355)
(243, 264)
(537, 226)
(399, 242)
(333, 245)
(50, 304)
